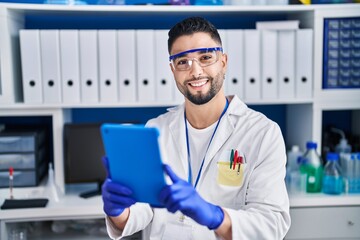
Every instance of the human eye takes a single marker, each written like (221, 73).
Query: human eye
(181, 61)
(206, 57)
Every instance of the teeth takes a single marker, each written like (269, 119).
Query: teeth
(197, 84)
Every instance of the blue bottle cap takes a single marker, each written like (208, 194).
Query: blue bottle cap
(332, 156)
(311, 145)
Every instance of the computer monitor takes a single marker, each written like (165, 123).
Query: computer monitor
(83, 151)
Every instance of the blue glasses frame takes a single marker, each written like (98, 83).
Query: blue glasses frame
(172, 57)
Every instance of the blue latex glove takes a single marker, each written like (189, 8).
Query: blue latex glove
(116, 197)
(183, 197)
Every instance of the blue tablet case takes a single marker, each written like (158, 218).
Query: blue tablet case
(134, 159)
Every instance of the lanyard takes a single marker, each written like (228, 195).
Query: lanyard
(188, 146)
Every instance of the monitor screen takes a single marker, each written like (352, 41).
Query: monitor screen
(83, 152)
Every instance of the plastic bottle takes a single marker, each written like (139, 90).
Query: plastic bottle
(357, 173)
(52, 190)
(332, 177)
(292, 169)
(342, 146)
(292, 158)
(311, 166)
(352, 175)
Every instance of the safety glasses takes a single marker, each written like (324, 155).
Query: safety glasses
(204, 57)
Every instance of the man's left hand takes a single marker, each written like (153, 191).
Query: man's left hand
(183, 197)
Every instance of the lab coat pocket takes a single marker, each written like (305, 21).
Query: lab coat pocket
(177, 230)
(230, 176)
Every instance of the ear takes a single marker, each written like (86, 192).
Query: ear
(224, 60)
(172, 68)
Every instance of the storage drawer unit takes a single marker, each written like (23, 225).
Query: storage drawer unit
(24, 178)
(21, 160)
(340, 222)
(26, 141)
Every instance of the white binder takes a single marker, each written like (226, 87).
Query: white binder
(304, 63)
(89, 83)
(163, 75)
(269, 81)
(108, 65)
(234, 82)
(50, 65)
(252, 64)
(70, 66)
(223, 36)
(127, 65)
(145, 63)
(31, 66)
(286, 57)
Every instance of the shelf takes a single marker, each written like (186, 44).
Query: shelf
(51, 107)
(70, 206)
(338, 99)
(323, 200)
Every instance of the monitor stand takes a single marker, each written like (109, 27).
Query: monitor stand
(92, 193)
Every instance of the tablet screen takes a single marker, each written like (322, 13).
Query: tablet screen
(134, 159)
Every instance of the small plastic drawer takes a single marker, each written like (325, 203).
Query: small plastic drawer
(24, 178)
(21, 160)
(11, 142)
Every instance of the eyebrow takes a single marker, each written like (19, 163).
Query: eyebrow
(202, 50)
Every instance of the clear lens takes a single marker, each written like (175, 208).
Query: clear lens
(204, 59)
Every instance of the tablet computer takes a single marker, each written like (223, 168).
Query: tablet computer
(134, 160)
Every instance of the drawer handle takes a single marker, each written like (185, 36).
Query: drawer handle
(351, 223)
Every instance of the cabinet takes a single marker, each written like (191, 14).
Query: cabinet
(319, 216)
(303, 118)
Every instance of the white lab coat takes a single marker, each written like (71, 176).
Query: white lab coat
(259, 208)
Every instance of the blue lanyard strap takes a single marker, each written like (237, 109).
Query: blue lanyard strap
(188, 146)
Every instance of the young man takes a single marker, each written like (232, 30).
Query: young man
(226, 161)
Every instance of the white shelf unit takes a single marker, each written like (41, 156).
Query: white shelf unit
(303, 116)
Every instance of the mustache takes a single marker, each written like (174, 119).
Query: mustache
(197, 79)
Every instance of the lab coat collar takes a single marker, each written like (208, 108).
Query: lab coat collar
(177, 128)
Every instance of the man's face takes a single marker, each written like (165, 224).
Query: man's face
(199, 84)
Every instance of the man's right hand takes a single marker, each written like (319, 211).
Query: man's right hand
(116, 197)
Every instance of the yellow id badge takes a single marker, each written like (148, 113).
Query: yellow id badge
(231, 171)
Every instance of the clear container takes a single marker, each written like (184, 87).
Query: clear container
(311, 166)
(292, 169)
(357, 173)
(332, 178)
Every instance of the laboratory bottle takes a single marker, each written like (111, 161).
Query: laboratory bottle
(311, 166)
(292, 158)
(332, 182)
(352, 173)
(342, 146)
(52, 190)
(357, 173)
(292, 169)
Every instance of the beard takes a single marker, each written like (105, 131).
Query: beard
(200, 98)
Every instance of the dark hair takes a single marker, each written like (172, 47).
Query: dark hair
(190, 26)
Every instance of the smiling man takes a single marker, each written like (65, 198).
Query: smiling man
(226, 161)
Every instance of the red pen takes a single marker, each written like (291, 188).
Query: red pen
(11, 182)
(240, 161)
(235, 159)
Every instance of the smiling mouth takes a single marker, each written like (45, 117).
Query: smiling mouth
(198, 83)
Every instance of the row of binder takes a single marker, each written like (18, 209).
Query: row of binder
(109, 66)
(92, 66)
(269, 64)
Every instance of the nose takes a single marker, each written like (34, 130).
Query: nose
(195, 69)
